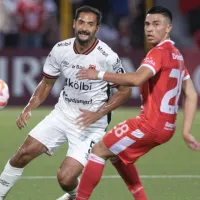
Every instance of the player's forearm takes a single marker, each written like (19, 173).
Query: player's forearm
(189, 106)
(129, 79)
(39, 96)
(115, 101)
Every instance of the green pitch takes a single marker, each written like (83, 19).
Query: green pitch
(169, 172)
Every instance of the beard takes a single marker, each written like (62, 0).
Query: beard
(84, 40)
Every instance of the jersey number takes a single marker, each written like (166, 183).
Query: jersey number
(175, 92)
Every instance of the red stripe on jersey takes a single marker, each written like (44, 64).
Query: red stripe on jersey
(88, 50)
(49, 76)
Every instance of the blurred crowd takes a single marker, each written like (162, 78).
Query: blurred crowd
(36, 23)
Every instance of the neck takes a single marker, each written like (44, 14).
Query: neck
(165, 38)
(82, 47)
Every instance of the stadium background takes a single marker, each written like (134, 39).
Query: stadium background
(168, 172)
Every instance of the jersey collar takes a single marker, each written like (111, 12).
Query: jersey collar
(91, 48)
(165, 42)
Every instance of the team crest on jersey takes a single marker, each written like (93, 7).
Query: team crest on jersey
(92, 67)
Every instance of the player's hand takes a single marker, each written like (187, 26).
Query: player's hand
(90, 74)
(87, 118)
(191, 142)
(23, 118)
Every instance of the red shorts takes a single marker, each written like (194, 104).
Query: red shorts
(129, 141)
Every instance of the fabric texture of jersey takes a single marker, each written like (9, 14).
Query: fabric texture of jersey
(81, 94)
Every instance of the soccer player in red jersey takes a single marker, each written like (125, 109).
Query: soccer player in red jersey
(162, 77)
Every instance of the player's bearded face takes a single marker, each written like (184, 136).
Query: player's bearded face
(85, 27)
(157, 28)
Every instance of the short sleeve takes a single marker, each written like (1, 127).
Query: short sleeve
(153, 60)
(51, 67)
(114, 65)
(186, 75)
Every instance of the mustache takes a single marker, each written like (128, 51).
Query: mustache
(84, 32)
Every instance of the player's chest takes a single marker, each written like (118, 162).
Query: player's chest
(70, 65)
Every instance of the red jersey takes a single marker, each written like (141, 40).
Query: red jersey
(160, 94)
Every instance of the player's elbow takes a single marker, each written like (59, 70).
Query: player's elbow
(136, 82)
(191, 96)
(128, 91)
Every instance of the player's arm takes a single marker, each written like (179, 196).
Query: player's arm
(118, 98)
(51, 71)
(189, 106)
(129, 79)
(40, 94)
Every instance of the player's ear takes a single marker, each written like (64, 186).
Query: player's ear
(74, 22)
(98, 27)
(169, 28)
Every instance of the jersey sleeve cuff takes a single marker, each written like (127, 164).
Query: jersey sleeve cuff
(186, 77)
(150, 67)
(49, 76)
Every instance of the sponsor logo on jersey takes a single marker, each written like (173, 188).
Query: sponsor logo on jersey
(77, 67)
(61, 44)
(64, 64)
(177, 57)
(117, 64)
(102, 51)
(149, 61)
(92, 67)
(75, 100)
(169, 126)
(78, 85)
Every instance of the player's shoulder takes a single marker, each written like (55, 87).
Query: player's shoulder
(104, 49)
(64, 43)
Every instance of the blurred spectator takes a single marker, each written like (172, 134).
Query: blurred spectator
(108, 35)
(192, 11)
(50, 28)
(124, 34)
(8, 27)
(180, 33)
(137, 17)
(119, 9)
(31, 19)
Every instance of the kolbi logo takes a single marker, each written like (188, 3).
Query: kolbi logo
(78, 85)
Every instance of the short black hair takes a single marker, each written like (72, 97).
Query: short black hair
(160, 10)
(89, 9)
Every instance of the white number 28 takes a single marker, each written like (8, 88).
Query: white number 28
(175, 92)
